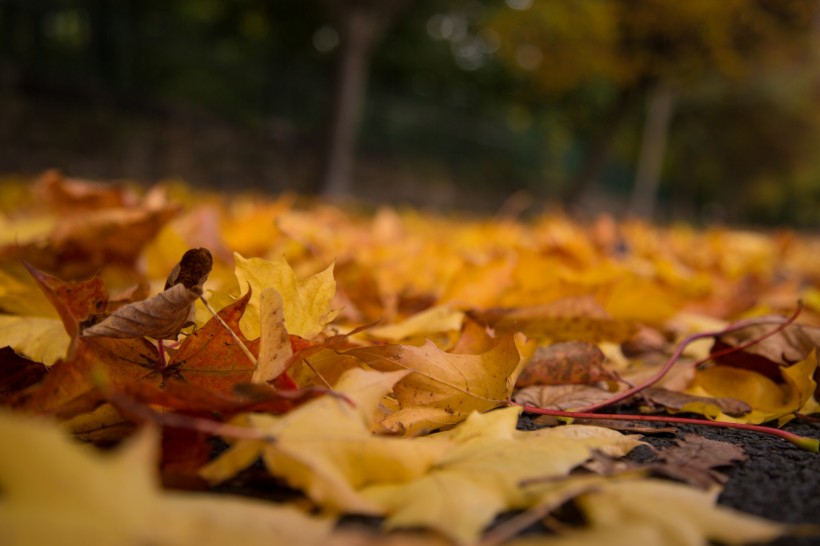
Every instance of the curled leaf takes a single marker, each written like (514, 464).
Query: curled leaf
(161, 316)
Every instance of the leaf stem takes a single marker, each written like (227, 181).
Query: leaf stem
(242, 345)
(809, 444)
(739, 325)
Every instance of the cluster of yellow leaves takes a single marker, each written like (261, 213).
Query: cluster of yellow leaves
(418, 323)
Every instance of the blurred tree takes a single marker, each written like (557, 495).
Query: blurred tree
(361, 25)
(633, 50)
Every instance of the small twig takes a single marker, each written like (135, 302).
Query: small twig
(809, 444)
(782, 323)
(328, 386)
(242, 345)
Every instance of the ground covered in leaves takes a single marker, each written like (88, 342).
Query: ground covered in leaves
(399, 377)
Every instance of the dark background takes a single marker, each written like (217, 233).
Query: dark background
(699, 110)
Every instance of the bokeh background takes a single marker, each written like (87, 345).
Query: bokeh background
(702, 110)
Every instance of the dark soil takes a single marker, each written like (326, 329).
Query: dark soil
(779, 481)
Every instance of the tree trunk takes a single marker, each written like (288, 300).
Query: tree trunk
(660, 106)
(598, 150)
(348, 99)
(362, 23)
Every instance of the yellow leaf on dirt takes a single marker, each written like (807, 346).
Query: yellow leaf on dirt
(769, 400)
(306, 301)
(658, 513)
(57, 492)
(481, 476)
(326, 449)
(445, 387)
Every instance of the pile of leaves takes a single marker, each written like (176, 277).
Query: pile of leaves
(377, 364)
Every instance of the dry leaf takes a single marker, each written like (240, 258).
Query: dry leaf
(161, 316)
(631, 512)
(568, 319)
(481, 475)
(306, 301)
(567, 362)
(114, 498)
(694, 459)
(326, 449)
(445, 387)
(561, 397)
(681, 401)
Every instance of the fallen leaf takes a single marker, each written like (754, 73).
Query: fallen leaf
(765, 354)
(445, 387)
(769, 400)
(629, 512)
(114, 498)
(75, 302)
(73, 195)
(481, 475)
(17, 373)
(325, 447)
(566, 362)
(569, 319)
(443, 318)
(681, 401)
(36, 338)
(694, 458)
(163, 315)
(274, 344)
(306, 302)
(561, 397)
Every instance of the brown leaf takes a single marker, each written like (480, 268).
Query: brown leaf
(561, 397)
(679, 401)
(117, 361)
(766, 355)
(161, 316)
(694, 459)
(211, 357)
(566, 362)
(72, 195)
(192, 270)
(17, 373)
(75, 302)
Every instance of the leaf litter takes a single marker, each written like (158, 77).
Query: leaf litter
(412, 420)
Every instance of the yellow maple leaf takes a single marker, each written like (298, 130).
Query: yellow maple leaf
(630, 512)
(57, 492)
(326, 449)
(482, 474)
(306, 301)
(446, 387)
